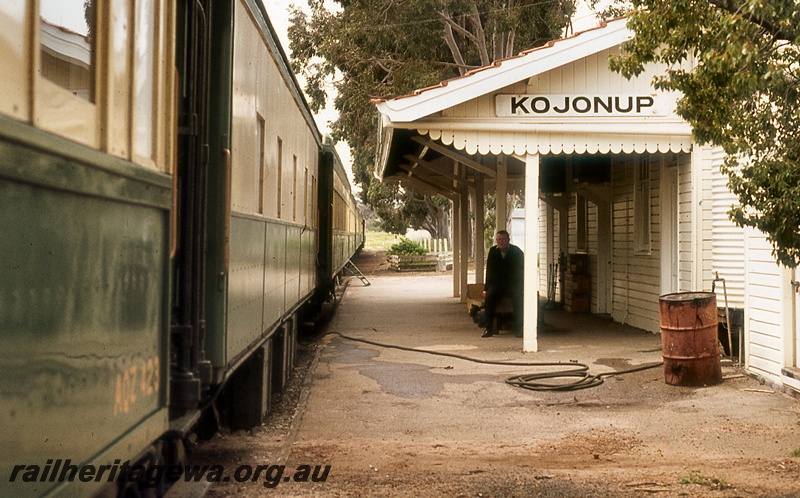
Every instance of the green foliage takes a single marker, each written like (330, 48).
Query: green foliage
(381, 240)
(796, 452)
(400, 210)
(490, 219)
(742, 95)
(406, 247)
(698, 478)
(377, 48)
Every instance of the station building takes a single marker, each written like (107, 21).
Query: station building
(621, 205)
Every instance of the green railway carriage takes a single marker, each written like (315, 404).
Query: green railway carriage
(342, 223)
(274, 211)
(168, 213)
(263, 157)
(85, 203)
(348, 224)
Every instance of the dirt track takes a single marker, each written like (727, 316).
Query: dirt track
(395, 423)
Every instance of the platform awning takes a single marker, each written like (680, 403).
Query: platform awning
(560, 98)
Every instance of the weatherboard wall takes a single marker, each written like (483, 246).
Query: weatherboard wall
(588, 76)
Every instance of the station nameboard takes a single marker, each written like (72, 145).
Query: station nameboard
(583, 105)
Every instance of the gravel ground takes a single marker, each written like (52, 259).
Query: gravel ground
(396, 423)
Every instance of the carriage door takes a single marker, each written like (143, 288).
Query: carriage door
(669, 227)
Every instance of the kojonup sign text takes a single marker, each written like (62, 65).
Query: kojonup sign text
(578, 105)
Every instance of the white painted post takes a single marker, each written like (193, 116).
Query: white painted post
(456, 220)
(563, 241)
(464, 242)
(502, 193)
(480, 217)
(551, 245)
(530, 339)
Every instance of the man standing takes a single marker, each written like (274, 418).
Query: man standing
(504, 277)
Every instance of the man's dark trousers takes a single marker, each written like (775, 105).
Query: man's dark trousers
(493, 295)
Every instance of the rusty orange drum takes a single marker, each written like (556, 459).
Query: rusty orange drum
(689, 339)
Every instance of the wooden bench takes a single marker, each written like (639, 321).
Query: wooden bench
(475, 306)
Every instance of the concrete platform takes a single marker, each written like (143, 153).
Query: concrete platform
(418, 311)
(384, 416)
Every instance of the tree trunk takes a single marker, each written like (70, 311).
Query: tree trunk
(451, 43)
(480, 35)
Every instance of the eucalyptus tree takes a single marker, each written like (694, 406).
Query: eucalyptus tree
(363, 49)
(742, 95)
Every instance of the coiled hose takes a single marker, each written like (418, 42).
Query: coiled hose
(532, 381)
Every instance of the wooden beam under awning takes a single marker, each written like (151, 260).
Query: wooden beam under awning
(427, 180)
(428, 166)
(424, 187)
(461, 158)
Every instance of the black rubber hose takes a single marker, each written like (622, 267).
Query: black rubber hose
(525, 381)
(585, 379)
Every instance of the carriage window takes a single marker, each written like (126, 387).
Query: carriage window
(294, 188)
(68, 45)
(262, 164)
(306, 197)
(280, 174)
(144, 78)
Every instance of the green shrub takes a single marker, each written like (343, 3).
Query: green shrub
(406, 247)
(697, 477)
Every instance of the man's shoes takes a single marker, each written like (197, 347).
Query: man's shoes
(487, 333)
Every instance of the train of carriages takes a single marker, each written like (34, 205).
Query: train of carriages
(169, 215)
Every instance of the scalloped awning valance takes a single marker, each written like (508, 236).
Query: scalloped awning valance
(520, 143)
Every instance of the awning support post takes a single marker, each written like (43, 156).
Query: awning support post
(530, 339)
(502, 194)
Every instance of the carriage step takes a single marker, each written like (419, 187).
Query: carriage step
(353, 270)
